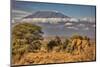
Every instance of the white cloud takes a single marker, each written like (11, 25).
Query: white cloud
(44, 20)
(86, 28)
(74, 28)
(74, 20)
(68, 24)
(88, 19)
(51, 20)
(18, 14)
(81, 25)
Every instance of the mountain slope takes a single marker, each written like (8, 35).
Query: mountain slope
(46, 14)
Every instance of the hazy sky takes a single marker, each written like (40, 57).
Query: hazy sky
(67, 9)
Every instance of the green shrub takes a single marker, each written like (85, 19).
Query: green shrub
(76, 36)
(25, 38)
(54, 43)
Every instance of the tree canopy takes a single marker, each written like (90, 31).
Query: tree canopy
(25, 37)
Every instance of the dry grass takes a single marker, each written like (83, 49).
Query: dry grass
(57, 57)
(28, 47)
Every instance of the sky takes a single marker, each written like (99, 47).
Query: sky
(67, 9)
(21, 9)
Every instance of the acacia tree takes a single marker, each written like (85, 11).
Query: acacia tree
(56, 43)
(65, 44)
(76, 36)
(26, 37)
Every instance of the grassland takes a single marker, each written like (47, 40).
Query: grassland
(29, 47)
(45, 57)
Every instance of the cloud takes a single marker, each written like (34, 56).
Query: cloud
(88, 19)
(20, 12)
(81, 25)
(73, 20)
(17, 14)
(44, 20)
(51, 20)
(74, 28)
(86, 28)
(68, 24)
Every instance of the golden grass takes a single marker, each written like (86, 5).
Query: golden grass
(57, 57)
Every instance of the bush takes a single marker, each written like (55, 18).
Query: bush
(78, 43)
(65, 44)
(76, 36)
(25, 38)
(54, 43)
(50, 45)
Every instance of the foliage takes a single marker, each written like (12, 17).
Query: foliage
(25, 38)
(54, 43)
(76, 36)
(27, 42)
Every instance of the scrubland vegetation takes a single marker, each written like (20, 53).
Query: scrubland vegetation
(29, 47)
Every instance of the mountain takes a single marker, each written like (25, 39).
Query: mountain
(47, 14)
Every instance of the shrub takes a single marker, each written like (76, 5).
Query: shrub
(76, 36)
(50, 45)
(24, 37)
(65, 44)
(54, 43)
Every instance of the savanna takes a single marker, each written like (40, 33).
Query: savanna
(30, 47)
